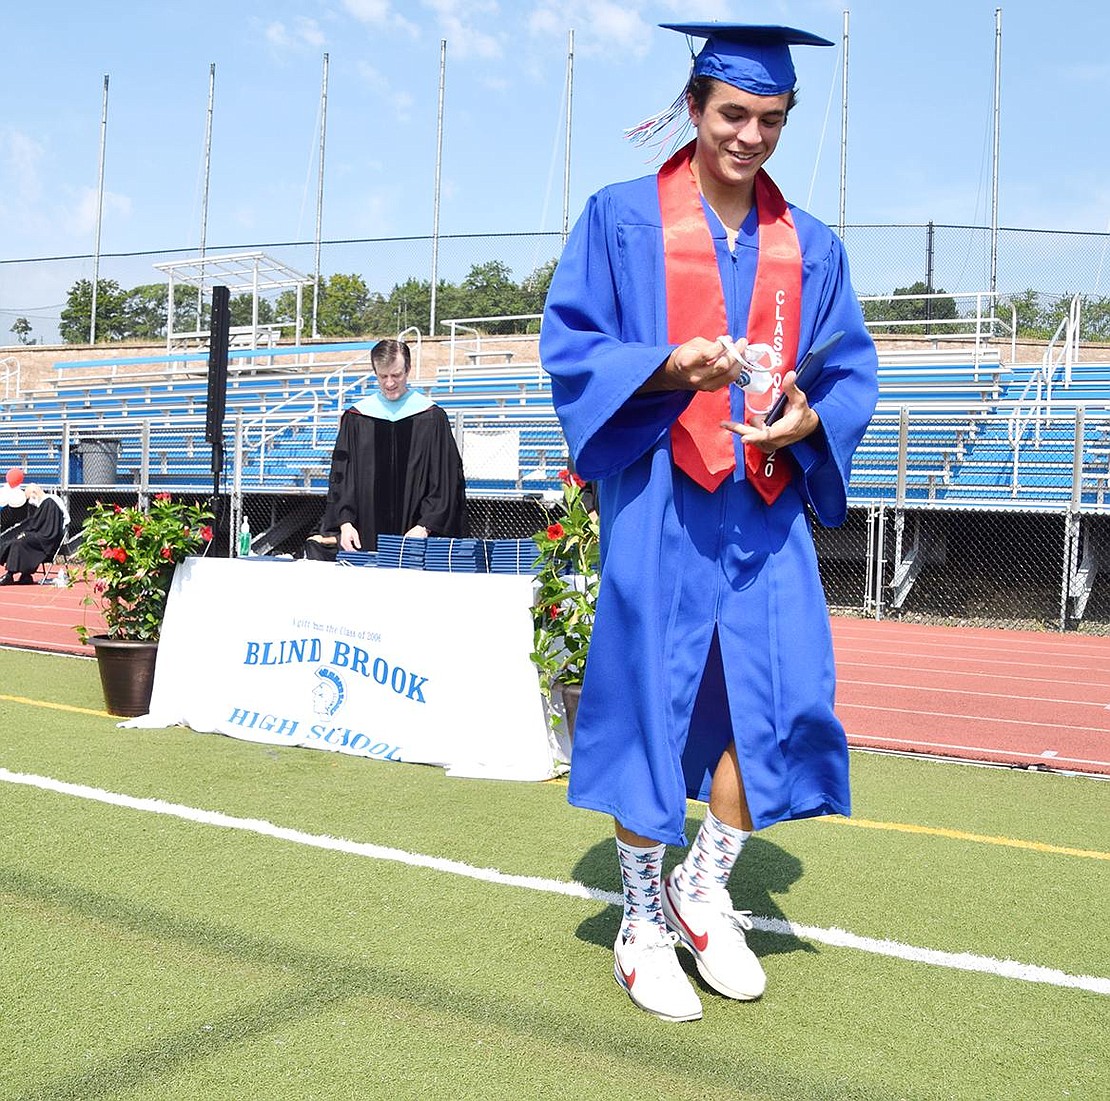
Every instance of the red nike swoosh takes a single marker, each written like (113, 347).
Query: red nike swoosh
(699, 940)
(629, 977)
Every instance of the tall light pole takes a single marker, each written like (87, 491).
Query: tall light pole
(320, 200)
(439, 171)
(204, 199)
(994, 156)
(844, 133)
(99, 211)
(566, 158)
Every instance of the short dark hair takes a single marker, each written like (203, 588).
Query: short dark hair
(699, 89)
(386, 351)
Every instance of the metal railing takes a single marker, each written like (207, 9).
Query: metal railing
(980, 326)
(920, 454)
(337, 384)
(9, 378)
(934, 531)
(1034, 403)
(263, 429)
(469, 351)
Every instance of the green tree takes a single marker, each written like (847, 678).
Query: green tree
(379, 316)
(146, 308)
(343, 306)
(452, 300)
(1095, 319)
(22, 330)
(1033, 320)
(241, 310)
(911, 309)
(533, 291)
(489, 290)
(285, 310)
(410, 303)
(349, 308)
(111, 312)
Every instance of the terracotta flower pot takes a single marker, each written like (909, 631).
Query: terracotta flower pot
(126, 673)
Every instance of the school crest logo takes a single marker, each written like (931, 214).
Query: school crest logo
(328, 693)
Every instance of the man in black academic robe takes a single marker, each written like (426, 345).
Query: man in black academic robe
(25, 546)
(393, 476)
(395, 467)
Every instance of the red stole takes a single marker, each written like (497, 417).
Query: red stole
(696, 307)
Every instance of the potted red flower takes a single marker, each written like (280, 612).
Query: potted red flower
(128, 556)
(567, 583)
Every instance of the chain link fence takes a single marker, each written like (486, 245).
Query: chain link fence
(984, 557)
(1019, 570)
(960, 511)
(1036, 269)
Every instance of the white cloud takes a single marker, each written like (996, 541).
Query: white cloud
(244, 216)
(303, 34)
(399, 101)
(462, 10)
(601, 27)
(309, 32)
(457, 21)
(1096, 74)
(82, 218)
(368, 11)
(22, 156)
(378, 14)
(278, 36)
(375, 212)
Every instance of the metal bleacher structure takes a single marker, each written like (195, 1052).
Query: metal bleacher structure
(960, 426)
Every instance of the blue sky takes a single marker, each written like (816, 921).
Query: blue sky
(920, 115)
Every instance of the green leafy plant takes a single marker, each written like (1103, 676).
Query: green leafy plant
(128, 556)
(567, 584)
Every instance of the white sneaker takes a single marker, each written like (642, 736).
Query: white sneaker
(714, 932)
(647, 967)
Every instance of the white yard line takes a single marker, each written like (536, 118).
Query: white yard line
(839, 938)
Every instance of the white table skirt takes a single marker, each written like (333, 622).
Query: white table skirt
(400, 665)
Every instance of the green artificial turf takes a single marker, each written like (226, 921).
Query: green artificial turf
(149, 957)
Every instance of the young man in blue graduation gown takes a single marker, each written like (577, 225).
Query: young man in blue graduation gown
(710, 671)
(395, 467)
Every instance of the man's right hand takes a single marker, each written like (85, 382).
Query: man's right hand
(699, 364)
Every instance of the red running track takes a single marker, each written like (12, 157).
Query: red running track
(44, 617)
(1026, 698)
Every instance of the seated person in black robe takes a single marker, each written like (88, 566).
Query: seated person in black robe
(395, 468)
(25, 546)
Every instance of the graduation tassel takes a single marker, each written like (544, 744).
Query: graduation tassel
(661, 131)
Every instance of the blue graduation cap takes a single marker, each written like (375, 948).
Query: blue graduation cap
(754, 58)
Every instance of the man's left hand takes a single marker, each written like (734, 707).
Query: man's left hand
(797, 421)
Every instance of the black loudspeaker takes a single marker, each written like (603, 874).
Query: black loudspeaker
(217, 366)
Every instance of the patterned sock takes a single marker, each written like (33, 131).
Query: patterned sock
(642, 876)
(709, 862)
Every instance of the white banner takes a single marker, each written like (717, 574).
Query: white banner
(402, 665)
